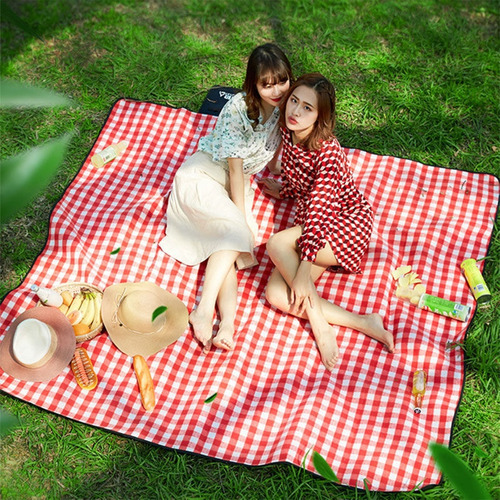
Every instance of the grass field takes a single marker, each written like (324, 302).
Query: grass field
(414, 79)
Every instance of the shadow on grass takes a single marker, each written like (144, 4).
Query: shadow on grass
(401, 69)
(74, 460)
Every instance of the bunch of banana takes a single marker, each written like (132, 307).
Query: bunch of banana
(83, 309)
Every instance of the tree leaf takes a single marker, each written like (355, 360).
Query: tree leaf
(159, 310)
(321, 465)
(25, 175)
(211, 398)
(21, 95)
(457, 472)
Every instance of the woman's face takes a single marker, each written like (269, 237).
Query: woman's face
(272, 93)
(301, 111)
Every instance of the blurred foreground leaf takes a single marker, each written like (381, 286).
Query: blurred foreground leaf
(9, 15)
(16, 95)
(211, 398)
(457, 472)
(321, 465)
(7, 422)
(25, 175)
(159, 310)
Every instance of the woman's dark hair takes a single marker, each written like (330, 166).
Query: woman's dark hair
(325, 123)
(267, 64)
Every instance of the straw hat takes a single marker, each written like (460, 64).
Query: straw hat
(127, 314)
(52, 333)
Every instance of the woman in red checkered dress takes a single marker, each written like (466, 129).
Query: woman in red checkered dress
(333, 220)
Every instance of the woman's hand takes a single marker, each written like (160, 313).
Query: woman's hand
(271, 187)
(302, 289)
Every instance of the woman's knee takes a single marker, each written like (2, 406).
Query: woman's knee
(271, 293)
(272, 244)
(280, 244)
(277, 294)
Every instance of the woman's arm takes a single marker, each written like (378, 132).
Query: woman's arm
(237, 183)
(322, 202)
(237, 190)
(274, 165)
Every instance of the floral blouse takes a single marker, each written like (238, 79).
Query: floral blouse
(234, 137)
(329, 206)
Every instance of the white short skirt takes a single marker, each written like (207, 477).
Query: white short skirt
(201, 217)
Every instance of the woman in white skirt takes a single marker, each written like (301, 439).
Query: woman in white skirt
(209, 208)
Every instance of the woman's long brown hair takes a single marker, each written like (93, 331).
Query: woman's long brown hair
(325, 124)
(267, 64)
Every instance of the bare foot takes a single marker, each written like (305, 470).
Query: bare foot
(224, 337)
(326, 340)
(373, 326)
(203, 328)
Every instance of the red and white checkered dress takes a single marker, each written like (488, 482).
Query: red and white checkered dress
(329, 206)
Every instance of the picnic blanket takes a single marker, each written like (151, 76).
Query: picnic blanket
(273, 399)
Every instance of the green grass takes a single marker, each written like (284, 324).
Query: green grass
(415, 79)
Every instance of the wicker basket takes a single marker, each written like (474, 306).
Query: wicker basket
(76, 287)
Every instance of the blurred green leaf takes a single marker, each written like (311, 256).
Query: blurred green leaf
(159, 310)
(115, 251)
(16, 95)
(9, 15)
(7, 422)
(321, 465)
(457, 472)
(25, 175)
(211, 398)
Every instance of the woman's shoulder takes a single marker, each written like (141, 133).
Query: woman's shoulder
(237, 102)
(331, 148)
(331, 144)
(235, 111)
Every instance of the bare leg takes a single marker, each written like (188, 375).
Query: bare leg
(282, 250)
(202, 317)
(226, 303)
(278, 294)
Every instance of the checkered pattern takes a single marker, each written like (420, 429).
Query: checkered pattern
(275, 401)
(329, 205)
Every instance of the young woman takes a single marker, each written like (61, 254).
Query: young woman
(209, 208)
(333, 221)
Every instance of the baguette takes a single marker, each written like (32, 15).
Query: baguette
(146, 387)
(83, 370)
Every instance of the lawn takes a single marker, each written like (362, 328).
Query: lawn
(414, 79)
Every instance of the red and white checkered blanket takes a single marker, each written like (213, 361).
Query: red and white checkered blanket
(275, 401)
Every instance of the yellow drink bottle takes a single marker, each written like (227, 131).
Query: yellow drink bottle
(476, 282)
(418, 390)
(108, 154)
